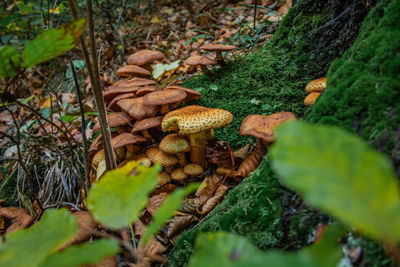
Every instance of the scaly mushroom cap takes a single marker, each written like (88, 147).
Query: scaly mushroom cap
(151, 152)
(311, 98)
(185, 110)
(194, 122)
(99, 156)
(147, 124)
(115, 119)
(146, 90)
(178, 175)
(163, 97)
(126, 139)
(163, 178)
(193, 169)
(200, 60)
(175, 143)
(145, 56)
(263, 126)
(217, 47)
(191, 94)
(166, 160)
(113, 104)
(316, 85)
(132, 70)
(136, 108)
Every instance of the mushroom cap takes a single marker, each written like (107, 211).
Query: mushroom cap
(163, 97)
(191, 94)
(99, 156)
(113, 104)
(144, 56)
(263, 126)
(146, 89)
(311, 98)
(151, 152)
(200, 60)
(115, 119)
(175, 143)
(193, 169)
(110, 95)
(126, 139)
(163, 178)
(133, 70)
(147, 124)
(136, 108)
(133, 82)
(316, 85)
(166, 160)
(96, 144)
(194, 122)
(178, 175)
(185, 110)
(217, 47)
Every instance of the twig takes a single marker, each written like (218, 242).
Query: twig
(83, 130)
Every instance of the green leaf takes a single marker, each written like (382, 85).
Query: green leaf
(339, 174)
(166, 210)
(52, 43)
(161, 68)
(222, 249)
(82, 254)
(10, 60)
(118, 198)
(28, 247)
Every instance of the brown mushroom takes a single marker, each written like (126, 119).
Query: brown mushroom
(188, 109)
(144, 57)
(145, 124)
(176, 144)
(114, 119)
(133, 71)
(146, 89)
(126, 139)
(165, 160)
(191, 94)
(317, 85)
(137, 109)
(311, 98)
(163, 178)
(218, 48)
(178, 175)
(133, 82)
(193, 169)
(197, 125)
(113, 106)
(201, 61)
(163, 98)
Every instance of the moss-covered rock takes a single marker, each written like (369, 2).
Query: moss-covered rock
(272, 79)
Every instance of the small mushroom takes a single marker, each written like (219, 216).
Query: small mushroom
(146, 89)
(176, 144)
(145, 124)
(163, 178)
(178, 175)
(317, 85)
(201, 61)
(137, 109)
(164, 98)
(144, 58)
(133, 71)
(165, 160)
(197, 125)
(113, 106)
(311, 98)
(218, 49)
(114, 119)
(193, 170)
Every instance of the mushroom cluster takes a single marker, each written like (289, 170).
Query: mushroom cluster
(314, 89)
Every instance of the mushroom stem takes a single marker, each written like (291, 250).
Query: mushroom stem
(205, 70)
(164, 109)
(146, 134)
(220, 58)
(168, 169)
(198, 142)
(181, 159)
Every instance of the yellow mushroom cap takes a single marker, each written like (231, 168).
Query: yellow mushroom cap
(316, 85)
(101, 169)
(263, 126)
(165, 125)
(151, 152)
(178, 175)
(166, 160)
(175, 143)
(311, 98)
(145, 161)
(99, 156)
(193, 169)
(163, 178)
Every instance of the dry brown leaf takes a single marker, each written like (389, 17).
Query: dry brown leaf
(151, 252)
(212, 202)
(155, 202)
(178, 223)
(207, 188)
(19, 218)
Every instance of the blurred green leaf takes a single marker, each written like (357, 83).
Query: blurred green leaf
(121, 194)
(166, 210)
(82, 254)
(161, 68)
(339, 174)
(10, 60)
(222, 249)
(52, 43)
(29, 247)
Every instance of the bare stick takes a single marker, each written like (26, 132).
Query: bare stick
(83, 130)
